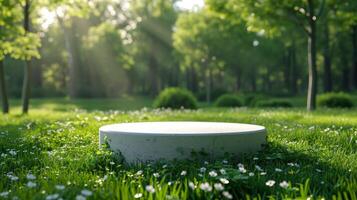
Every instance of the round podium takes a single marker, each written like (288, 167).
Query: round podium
(152, 141)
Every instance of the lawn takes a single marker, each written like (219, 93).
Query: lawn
(53, 153)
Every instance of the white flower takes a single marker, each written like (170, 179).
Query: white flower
(191, 185)
(12, 152)
(206, 187)
(31, 184)
(251, 174)
(80, 197)
(224, 181)
(112, 163)
(242, 170)
(156, 175)
(4, 194)
(240, 165)
(222, 171)
(138, 195)
(258, 168)
(218, 186)
(263, 173)
(139, 172)
(150, 188)
(86, 192)
(12, 177)
(60, 187)
(205, 162)
(284, 184)
(52, 196)
(224, 161)
(202, 169)
(213, 173)
(227, 195)
(270, 183)
(278, 170)
(30, 177)
(255, 158)
(183, 173)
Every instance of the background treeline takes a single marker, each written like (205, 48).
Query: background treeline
(105, 48)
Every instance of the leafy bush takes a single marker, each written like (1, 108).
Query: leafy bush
(335, 100)
(176, 98)
(252, 99)
(274, 104)
(228, 100)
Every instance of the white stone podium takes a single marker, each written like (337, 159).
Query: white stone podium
(153, 141)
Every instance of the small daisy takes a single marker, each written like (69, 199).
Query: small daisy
(80, 197)
(278, 170)
(258, 168)
(4, 194)
(203, 169)
(31, 184)
(191, 185)
(213, 173)
(224, 181)
(60, 187)
(138, 195)
(156, 175)
(183, 173)
(222, 171)
(218, 186)
(251, 174)
(86, 192)
(150, 188)
(206, 187)
(284, 184)
(52, 196)
(30, 177)
(270, 183)
(112, 163)
(140, 172)
(224, 161)
(227, 195)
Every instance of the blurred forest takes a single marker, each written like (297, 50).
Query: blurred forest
(112, 48)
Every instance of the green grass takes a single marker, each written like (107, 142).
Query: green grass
(315, 153)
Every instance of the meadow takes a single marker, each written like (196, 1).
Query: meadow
(52, 153)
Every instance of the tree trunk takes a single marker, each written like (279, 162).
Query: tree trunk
(208, 85)
(238, 80)
(26, 89)
(154, 84)
(327, 60)
(345, 75)
(354, 54)
(294, 73)
(312, 85)
(287, 62)
(3, 92)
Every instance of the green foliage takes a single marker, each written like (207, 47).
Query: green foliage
(176, 98)
(228, 100)
(274, 104)
(335, 100)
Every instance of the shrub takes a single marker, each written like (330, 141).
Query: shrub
(335, 100)
(251, 100)
(228, 100)
(176, 98)
(274, 104)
